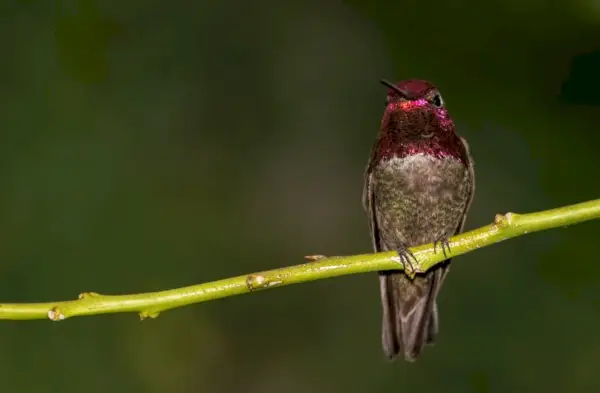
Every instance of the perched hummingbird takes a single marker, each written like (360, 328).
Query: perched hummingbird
(419, 183)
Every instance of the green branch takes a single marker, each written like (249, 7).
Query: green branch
(151, 304)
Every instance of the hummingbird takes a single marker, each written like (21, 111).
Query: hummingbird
(418, 186)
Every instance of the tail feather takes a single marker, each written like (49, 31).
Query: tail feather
(391, 337)
(410, 318)
(434, 326)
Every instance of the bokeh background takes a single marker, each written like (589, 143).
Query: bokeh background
(148, 145)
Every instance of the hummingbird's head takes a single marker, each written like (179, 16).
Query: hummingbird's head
(416, 121)
(415, 110)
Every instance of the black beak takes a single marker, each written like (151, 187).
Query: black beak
(401, 93)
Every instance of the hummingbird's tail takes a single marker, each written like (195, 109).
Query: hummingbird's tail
(410, 317)
(434, 325)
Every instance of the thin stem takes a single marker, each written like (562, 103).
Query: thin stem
(149, 305)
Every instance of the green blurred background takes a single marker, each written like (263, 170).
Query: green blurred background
(148, 145)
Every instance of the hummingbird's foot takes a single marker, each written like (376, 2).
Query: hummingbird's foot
(405, 256)
(443, 243)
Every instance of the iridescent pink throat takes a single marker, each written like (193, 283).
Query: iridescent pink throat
(405, 131)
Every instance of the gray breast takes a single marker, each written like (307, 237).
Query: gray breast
(419, 199)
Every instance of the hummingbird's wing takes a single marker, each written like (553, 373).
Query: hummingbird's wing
(472, 190)
(460, 227)
(367, 202)
(390, 335)
(434, 323)
(396, 337)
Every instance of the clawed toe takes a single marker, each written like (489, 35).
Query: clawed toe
(405, 256)
(444, 244)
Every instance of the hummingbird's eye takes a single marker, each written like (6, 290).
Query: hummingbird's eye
(436, 100)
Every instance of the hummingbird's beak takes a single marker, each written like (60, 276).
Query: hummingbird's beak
(403, 93)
